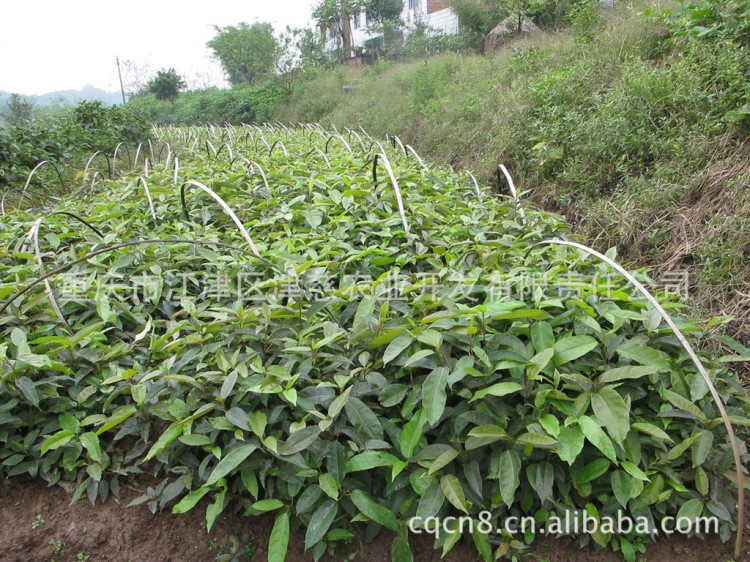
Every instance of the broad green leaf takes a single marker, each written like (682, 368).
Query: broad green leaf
(484, 435)
(364, 311)
(228, 385)
(452, 538)
(328, 485)
(678, 450)
(622, 486)
(400, 551)
(634, 471)
(118, 416)
(363, 419)
(249, 481)
(431, 501)
(395, 348)
(551, 424)
(418, 356)
(267, 505)
(651, 429)
(536, 440)
(338, 403)
(38, 361)
(90, 442)
(482, 543)
(626, 373)
(373, 510)
(542, 479)
(500, 389)
(442, 461)
(103, 308)
(592, 470)
(28, 388)
(597, 437)
(369, 460)
(238, 418)
(69, 421)
(18, 337)
(539, 362)
(257, 421)
(684, 404)
(644, 355)
(702, 448)
(570, 443)
(651, 492)
(433, 338)
(299, 440)
(433, 394)
(454, 492)
(610, 408)
(336, 462)
(412, 434)
(214, 509)
(173, 431)
(190, 501)
(542, 336)
(392, 395)
(701, 481)
(230, 462)
(691, 509)
(278, 541)
(320, 522)
(138, 392)
(508, 477)
(573, 347)
(57, 440)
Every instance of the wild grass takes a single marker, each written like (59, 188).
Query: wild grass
(626, 134)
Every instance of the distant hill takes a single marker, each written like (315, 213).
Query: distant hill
(63, 97)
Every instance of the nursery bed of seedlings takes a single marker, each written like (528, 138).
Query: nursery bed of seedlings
(325, 327)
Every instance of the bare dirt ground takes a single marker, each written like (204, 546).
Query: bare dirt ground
(38, 523)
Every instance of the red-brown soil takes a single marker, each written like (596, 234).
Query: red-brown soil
(38, 523)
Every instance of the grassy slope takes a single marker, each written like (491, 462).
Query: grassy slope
(625, 135)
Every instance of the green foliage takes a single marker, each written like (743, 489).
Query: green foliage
(166, 85)
(330, 13)
(248, 53)
(379, 11)
(356, 370)
(19, 110)
(477, 19)
(73, 133)
(240, 104)
(584, 17)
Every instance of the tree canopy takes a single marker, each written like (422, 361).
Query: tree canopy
(379, 11)
(248, 53)
(166, 85)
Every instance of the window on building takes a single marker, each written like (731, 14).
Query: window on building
(357, 21)
(414, 4)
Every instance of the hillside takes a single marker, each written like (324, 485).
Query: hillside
(637, 135)
(61, 97)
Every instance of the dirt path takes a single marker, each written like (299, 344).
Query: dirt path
(39, 524)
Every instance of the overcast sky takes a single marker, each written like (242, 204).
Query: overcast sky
(48, 45)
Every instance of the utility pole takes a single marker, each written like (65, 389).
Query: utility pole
(119, 73)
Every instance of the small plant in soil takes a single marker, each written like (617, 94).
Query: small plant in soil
(319, 327)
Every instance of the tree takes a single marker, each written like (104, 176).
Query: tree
(20, 109)
(379, 11)
(248, 53)
(335, 15)
(478, 17)
(166, 85)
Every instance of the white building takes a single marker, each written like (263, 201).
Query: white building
(434, 13)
